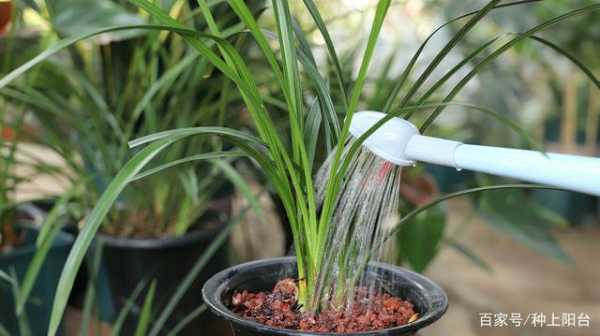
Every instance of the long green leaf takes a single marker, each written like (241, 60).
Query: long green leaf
(118, 324)
(311, 131)
(193, 273)
(50, 228)
(305, 192)
(447, 48)
(584, 68)
(461, 193)
(333, 184)
(520, 37)
(90, 296)
(186, 320)
(409, 67)
(332, 129)
(240, 74)
(22, 319)
(242, 186)
(196, 131)
(92, 224)
(4, 276)
(505, 120)
(62, 44)
(339, 74)
(323, 93)
(290, 62)
(411, 215)
(454, 70)
(192, 158)
(166, 79)
(146, 314)
(238, 138)
(246, 16)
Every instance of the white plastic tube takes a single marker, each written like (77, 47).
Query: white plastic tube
(399, 141)
(577, 173)
(571, 172)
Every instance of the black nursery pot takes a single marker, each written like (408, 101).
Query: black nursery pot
(166, 260)
(429, 300)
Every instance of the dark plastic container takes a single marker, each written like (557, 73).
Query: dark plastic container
(104, 307)
(166, 260)
(428, 298)
(40, 300)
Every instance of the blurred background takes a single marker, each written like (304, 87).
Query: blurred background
(66, 124)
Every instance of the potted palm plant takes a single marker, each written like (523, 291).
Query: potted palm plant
(287, 158)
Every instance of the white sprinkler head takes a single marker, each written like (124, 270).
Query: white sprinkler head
(390, 140)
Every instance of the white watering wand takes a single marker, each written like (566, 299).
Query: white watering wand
(399, 142)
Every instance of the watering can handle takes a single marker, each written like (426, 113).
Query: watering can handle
(571, 172)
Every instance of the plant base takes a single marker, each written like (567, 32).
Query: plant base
(429, 300)
(279, 308)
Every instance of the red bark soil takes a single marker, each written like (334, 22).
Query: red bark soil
(279, 309)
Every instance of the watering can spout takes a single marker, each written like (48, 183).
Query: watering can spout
(399, 142)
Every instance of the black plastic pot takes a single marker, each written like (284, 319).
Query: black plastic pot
(105, 310)
(429, 299)
(39, 305)
(166, 260)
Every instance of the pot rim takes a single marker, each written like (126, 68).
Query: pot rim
(170, 241)
(62, 240)
(159, 242)
(218, 283)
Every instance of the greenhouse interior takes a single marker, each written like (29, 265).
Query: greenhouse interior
(313, 167)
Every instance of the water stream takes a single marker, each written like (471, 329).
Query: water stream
(365, 211)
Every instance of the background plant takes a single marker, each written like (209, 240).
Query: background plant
(102, 93)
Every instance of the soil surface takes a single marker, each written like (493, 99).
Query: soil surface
(279, 309)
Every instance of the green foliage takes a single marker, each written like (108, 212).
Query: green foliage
(523, 220)
(146, 314)
(123, 85)
(118, 323)
(92, 223)
(420, 240)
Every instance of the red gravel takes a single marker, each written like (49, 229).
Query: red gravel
(279, 309)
